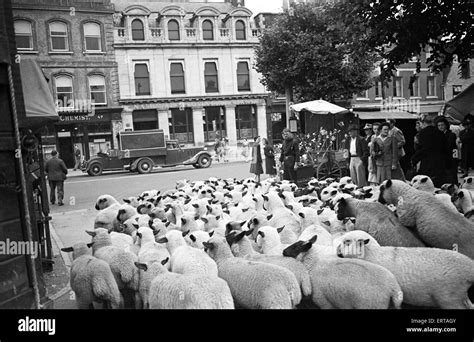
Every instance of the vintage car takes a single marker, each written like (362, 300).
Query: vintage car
(141, 151)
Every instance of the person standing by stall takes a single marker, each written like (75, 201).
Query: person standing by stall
(270, 166)
(56, 171)
(358, 154)
(256, 166)
(289, 156)
(400, 139)
(385, 153)
(451, 162)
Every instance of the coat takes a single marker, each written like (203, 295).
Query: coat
(400, 139)
(385, 151)
(432, 153)
(269, 160)
(362, 149)
(467, 149)
(256, 166)
(56, 169)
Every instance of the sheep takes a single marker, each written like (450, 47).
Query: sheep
(254, 285)
(148, 194)
(436, 225)
(241, 247)
(145, 208)
(186, 259)
(107, 218)
(308, 216)
(324, 237)
(121, 263)
(133, 201)
(468, 183)
(125, 212)
(429, 277)
(345, 285)
(168, 290)
(281, 215)
(423, 183)
(150, 251)
(214, 224)
(190, 223)
(269, 241)
(464, 203)
(379, 221)
(91, 279)
(196, 239)
(122, 241)
(328, 193)
(158, 213)
(105, 201)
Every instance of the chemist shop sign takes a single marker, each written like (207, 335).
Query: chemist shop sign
(84, 117)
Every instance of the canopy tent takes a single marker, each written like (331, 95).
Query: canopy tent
(39, 104)
(319, 107)
(384, 115)
(461, 105)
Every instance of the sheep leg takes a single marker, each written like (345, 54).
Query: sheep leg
(453, 302)
(84, 304)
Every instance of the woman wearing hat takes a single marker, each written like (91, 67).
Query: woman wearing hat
(451, 163)
(467, 146)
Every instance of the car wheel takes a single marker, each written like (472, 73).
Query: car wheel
(144, 166)
(196, 166)
(204, 161)
(95, 169)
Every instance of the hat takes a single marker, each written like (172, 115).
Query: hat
(368, 126)
(353, 128)
(467, 120)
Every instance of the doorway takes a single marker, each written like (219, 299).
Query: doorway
(66, 151)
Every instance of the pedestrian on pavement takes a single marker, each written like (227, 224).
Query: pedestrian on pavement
(358, 156)
(77, 157)
(451, 161)
(289, 156)
(416, 139)
(218, 148)
(270, 166)
(245, 149)
(56, 171)
(226, 149)
(431, 153)
(385, 152)
(256, 166)
(400, 139)
(466, 136)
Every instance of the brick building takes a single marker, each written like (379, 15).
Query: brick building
(73, 43)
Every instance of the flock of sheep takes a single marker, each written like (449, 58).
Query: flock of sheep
(224, 244)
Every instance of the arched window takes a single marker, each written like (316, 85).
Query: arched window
(243, 77)
(138, 32)
(92, 37)
(23, 35)
(59, 36)
(207, 30)
(142, 79)
(64, 91)
(210, 77)
(240, 33)
(97, 89)
(173, 30)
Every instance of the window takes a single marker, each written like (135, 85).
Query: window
(142, 79)
(92, 37)
(173, 30)
(240, 33)
(397, 87)
(210, 77)
(378, 89)
(246, 122)
(243, 78)
(138, 32)
(23, 35)
(97, 89)
(59, 38)
(181, 125)
(144, 120)
(207, 30)
(415, 88)
(64, 92)
(214, 123)
(431, 86)
(177, 78)
(457, 89)
(364, 94)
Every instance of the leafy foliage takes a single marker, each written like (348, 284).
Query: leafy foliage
(313, 53)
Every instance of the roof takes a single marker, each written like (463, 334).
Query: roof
(378, 115)
(461, 105)
(190, 7)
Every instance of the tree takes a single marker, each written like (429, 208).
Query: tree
(312, 53)
(401, 29)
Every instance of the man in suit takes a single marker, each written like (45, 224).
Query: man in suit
(358, 155)
(431, 153)
(451, 162)
(56, 171)
(397, 133)
(289, 156)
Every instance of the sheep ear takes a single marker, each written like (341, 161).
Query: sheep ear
(205, 220)
(248, 232)
(89, 245)
(313, 240)
(262, 234)
(192, 237)
(301, 215)
(327, 223)
(162, 240)
(211, 233)
(208, 245)
(68, 249)
(254, 199)
(245, 210)
(320, 211)
(244, 193)
(388, 184)
(461, 194)
(135, 225)
(167, 224)
(156, 232)
(127, 201)
(279, 230)
(163, 262)
(424, 180)
(289, 206)
(196, 217)
(226, 211)
(366, 241)
(140, 266)
(185, 233)
(195, 205)
(353, 220)
(187, 201)
(218, 217)
(269, 217)
(265, 197)
(242, 223)
(91, 233)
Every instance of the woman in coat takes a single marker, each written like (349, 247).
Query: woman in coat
(385, 152)
(270, 166)
(256, 166)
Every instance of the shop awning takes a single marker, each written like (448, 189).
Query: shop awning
(383, 115)
(319, 107)
(39, 103)
(461, 105)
